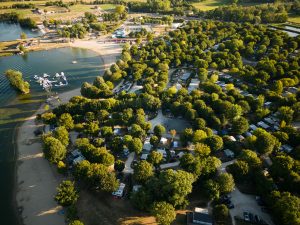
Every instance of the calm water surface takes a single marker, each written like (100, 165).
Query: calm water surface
(12, 31)
(15, 107)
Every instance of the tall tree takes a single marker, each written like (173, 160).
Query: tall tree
(66, 193)
(66, 120)
(54, 150)
(164, 213)
(143, 171)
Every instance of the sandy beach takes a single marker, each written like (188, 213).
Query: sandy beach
(37, 180)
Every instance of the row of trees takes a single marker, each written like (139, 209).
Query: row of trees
(15, 78)
(253, 14)
(17, 18)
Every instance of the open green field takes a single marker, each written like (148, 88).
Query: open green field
(75, 10)
(294, 18)
(212, 4)
(107, 7)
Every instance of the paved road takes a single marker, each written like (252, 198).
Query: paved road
(128, 162)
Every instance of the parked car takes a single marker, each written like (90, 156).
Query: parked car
(246, 216)
(259, 201)
(251, 217)
(230, 205)
(256, 218)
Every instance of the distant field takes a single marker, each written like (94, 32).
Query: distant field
(294, 18)
(212, 4)
(107, 7)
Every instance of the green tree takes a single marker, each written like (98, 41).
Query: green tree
(174, 186)
(92, 129)
(286, 113)
(233, 112)
(226, 183)
(212, 189)
(154, 140)
(76, 222)
(277, 87)
(202, 150)
(66, 120)
(135, 145)
(54, 150)
(199, 136)
(62, 135)
(239, 169)
(220, 213)
(215, 142)
(265, 141)
(48, 118)
(106, 131)
(98, 176)
(23, 35)
(143, 171)
(119, 165)
(142, 199)
(155, 158)
(240, 125)
(186, 135)
(66, 193)
(16, 80)
(251, 158)
(191, 164)
(159, 130)
(164, 213)
(286, 207)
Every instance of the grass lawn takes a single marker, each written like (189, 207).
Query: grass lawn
(210, 4)
(294, 18)
(82, 8)
(107, 7)
(12, 2)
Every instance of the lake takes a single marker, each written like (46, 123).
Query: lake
(14, 107)
(12, 31)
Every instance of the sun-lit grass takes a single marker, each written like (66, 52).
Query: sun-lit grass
(210, 4)
(294, 18)
(14, 2)
(135, 0)
(107, 7)
(81, 8)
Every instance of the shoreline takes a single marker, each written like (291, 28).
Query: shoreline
(35, 178)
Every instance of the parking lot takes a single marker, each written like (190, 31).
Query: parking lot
(244, 203)
(169, 123)
(247, 203)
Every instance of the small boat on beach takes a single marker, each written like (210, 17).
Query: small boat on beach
(74, 62)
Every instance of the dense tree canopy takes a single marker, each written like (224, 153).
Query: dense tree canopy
(66, 193)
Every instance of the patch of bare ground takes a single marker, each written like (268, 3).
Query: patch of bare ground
(103, 209)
